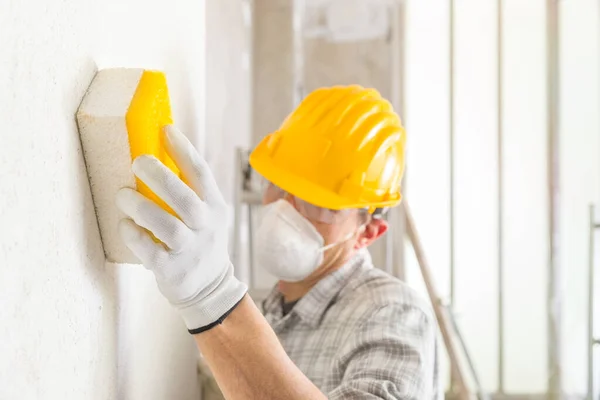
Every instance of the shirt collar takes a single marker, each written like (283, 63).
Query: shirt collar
(313, 305)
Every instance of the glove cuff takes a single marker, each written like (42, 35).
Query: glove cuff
(212, 309)
(213, 324)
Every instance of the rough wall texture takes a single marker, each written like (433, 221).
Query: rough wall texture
(64, 315)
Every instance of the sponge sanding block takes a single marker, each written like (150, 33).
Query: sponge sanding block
(121, 117)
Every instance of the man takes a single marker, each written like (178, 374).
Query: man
(334, 327)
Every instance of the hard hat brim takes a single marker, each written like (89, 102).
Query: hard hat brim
(306, 190)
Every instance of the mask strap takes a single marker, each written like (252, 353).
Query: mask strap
(348, 237)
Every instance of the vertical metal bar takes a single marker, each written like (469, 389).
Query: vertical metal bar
(594, 341)
(251, 269)
(251, 49)
(451, 159)
(394, 71)
(391, 235)
(389, 243)
(451, 132)
(590, 358)
(400, 246)
(396, 242)
(553, 301)
(237, 214)
(500, 222)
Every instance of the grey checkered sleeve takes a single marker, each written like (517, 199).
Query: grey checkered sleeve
(390, 356)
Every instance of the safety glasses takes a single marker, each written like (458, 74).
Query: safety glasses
(272, 192)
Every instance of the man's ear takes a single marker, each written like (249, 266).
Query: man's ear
(373, 230)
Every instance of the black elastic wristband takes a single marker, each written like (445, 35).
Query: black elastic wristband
(217, 322)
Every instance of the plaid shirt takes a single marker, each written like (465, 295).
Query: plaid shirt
(360, 334)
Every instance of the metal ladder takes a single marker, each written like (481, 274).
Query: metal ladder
(593, 341)
(246, 194)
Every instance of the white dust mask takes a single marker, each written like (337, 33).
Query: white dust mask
(288, 245)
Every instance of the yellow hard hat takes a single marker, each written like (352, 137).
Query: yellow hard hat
(343, 147)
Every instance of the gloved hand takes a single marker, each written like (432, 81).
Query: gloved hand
(192, 267)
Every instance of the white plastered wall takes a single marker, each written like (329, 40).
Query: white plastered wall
(72, 327)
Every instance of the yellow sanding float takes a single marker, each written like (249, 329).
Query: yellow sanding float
(121, 117)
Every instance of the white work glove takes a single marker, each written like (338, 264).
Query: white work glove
(192, 267)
